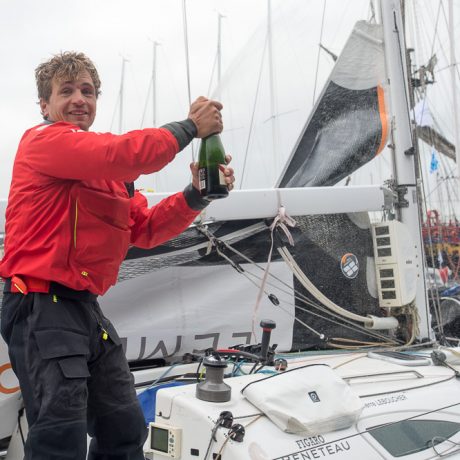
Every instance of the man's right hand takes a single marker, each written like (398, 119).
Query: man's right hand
(205, 113)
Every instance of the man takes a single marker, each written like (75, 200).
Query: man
(69, 222)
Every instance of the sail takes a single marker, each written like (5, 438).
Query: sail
(348, 125)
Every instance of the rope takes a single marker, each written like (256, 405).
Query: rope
(282, 220)
(297, 295)
(344, 322)
(308, 285)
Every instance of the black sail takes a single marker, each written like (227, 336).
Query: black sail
(348, 126)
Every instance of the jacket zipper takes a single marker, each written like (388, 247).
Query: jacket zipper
(75, 225)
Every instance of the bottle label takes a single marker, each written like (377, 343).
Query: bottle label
(222, 175)
(202, 178)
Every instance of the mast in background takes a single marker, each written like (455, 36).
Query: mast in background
(121, 95)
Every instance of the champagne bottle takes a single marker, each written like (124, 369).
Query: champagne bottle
(211, 163)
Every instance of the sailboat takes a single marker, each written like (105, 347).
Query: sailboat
(328, 348)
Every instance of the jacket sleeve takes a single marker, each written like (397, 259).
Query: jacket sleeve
(62, 151)
(153, 226)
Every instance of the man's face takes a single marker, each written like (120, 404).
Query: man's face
(72, 101)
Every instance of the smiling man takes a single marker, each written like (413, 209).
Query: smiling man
(71, 101)
(72, 214)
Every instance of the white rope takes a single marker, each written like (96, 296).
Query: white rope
(282, 220)
(344, 322)
(309, 286)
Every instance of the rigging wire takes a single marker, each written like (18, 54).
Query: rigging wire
(347, 324)
(251, 124)
(435, 299)
(342, 322)
(297, 295)
(187, 62)
(147, 99)
(319, 52)
(436, 35)
(117, 103)
(212, 74)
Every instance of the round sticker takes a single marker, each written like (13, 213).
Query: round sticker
(349, 265)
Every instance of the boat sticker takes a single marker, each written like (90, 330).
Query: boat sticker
(312, 441)
(349, 265)
(386, 400)
(315, 447)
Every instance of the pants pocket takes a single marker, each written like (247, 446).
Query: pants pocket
(55, 343)
(74, 367)
(63, 372)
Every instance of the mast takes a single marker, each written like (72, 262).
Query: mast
(121, 95)
(405, 175)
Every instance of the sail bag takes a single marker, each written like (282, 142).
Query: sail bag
(308, 400)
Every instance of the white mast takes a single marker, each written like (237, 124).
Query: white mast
(395, 56)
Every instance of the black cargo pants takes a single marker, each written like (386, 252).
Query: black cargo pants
(74, 377)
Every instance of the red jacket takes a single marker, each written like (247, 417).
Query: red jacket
(69, 218)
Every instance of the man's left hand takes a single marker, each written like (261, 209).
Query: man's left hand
(228, 173)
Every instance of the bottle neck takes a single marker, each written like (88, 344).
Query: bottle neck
(211, 135)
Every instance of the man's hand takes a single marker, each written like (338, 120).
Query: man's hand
(206, 115)
(228, 173)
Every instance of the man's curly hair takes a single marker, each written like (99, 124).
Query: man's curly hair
(65, 65)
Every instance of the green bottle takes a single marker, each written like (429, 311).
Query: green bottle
(211, 163)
